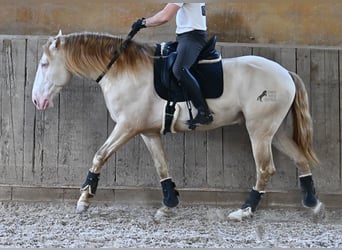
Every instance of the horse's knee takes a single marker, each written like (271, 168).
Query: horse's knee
(269, 171)
(264, 161)
(272, 171)
(98, 159)
(264, 176)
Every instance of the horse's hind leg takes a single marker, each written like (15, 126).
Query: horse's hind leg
(261, 140)
(155, 146)
(287, 145)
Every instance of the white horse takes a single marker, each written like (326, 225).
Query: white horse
(136, 109)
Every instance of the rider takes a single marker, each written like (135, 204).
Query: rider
(191, 37)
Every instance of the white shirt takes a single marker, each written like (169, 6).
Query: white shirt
(190, 16)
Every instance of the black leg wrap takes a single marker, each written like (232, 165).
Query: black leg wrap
(91, 183)
(308, 191)
(169, 192)
(252, 200)
(169, 115)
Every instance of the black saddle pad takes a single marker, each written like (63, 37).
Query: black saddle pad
(208, 73)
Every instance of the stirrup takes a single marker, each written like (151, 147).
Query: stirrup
(202, 118)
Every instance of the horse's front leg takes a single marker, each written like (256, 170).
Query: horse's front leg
(119, 136)
(155, 146)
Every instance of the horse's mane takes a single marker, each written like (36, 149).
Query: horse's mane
(91, 52)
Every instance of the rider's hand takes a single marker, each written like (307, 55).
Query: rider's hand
(139, 24)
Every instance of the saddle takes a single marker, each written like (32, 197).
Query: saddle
(207, 70)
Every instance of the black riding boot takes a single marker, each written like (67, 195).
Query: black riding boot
(194, 92)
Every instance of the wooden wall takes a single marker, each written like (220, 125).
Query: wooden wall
(55, 148)
(305, 22)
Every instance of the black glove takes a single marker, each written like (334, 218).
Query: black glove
(137, 25)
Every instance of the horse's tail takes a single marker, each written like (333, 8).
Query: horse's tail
(302, 122)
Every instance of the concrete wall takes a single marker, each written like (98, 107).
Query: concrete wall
(300, 22)
(55, 148)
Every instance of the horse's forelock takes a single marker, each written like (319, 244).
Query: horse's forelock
(46, 47)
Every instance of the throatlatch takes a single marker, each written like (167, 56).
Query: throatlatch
(253, 200)
(308, 191)
(170, 193)
(91, 183)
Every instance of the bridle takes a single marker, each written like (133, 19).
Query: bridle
(117, 54)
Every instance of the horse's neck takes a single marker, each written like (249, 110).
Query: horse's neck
(88, 72)
(128, 92)
(129, 81)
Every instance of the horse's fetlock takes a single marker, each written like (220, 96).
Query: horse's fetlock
(170, 193)
(86, 192)
(90, 185)
(253, 200)
(308, 191)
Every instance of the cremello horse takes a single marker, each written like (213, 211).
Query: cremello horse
(137, 110)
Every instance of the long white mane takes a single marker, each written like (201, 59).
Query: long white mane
(85, 52)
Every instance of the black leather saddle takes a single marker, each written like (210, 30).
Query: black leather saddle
(207, 70)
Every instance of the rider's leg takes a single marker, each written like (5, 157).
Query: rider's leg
(190, 45)
(194, 92)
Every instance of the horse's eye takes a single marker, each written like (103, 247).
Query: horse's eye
(45, 64)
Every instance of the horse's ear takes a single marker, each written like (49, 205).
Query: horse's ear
(56, 43)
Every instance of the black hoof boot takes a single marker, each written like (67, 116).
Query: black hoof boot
(91, 183)
(308, 191)
(170, 193)
(253, 200)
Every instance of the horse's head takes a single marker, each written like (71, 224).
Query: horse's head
(51, 74)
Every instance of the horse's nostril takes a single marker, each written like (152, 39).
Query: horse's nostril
(35, 102)
(46, 104)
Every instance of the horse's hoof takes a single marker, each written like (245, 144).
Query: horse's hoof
(241, 214)
(81, 207)
(162, 212)
(318, 208)
(319, 211)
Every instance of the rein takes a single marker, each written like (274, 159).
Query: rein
(117, 54)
